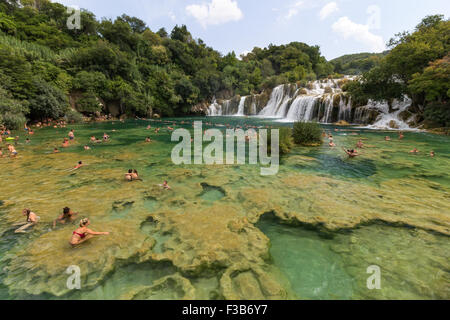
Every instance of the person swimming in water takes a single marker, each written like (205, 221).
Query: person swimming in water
(400, 135)
(105, 137)
(360, 144)
(332, 144)
(12, 151)
(83, 233)
(32, 219)
(351, 152)
(432, 154)
(148, 140)
(72, 134)
(65, 143)
(165, 185)
(55, 150)
(414, 151)
(129, 175)
(387, 138)
(87, 147)
(78, 166)
(135, 175)
(66, 216)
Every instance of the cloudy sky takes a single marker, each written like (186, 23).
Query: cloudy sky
(338, 27)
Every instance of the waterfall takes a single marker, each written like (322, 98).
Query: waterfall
(214, 109)
(301, 108)
(314, 102)
(276, 99)
(241, 107)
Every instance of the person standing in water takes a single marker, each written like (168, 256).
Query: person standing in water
(71, 135)
(12, 151)
(32, 219)
(83, 233)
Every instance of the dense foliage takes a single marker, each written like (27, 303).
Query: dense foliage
(356, 64)
(307, 133)
(122, 66)
(418, 66)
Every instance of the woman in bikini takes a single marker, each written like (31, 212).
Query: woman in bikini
(83, 233)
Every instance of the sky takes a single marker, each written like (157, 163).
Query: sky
(339, 27)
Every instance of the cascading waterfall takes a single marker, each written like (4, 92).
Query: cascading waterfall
(321, 101)
(276, 99)
(241, 107)
(301, 108)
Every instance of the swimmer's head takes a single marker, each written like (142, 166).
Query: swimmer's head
(66, 210)
(80, 162)
(84, 222)
(130, 171)
(26, 211)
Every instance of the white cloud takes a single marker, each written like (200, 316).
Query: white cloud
(293, 10)
(216, 12)
(359, 33)
(172, 16)
(327, 10)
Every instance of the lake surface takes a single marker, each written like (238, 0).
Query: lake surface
(225, 231)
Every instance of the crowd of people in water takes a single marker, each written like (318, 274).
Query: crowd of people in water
(83, 233)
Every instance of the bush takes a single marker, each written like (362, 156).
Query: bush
(285, 140)
(307, 133)
(438, 114)
(73, 116)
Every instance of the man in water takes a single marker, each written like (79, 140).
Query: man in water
(414, 151)
(351, 152)
(71, 135)
(67, 216)
(387, 138)
(432, 154)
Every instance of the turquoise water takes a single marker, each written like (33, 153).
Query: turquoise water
(205, 238)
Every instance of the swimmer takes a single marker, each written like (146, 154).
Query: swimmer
(83, 233)
(129, 175)
(351, 153)
(78, 166)
(27, 140)
(71, 135)
(55, 150)
(360, 144)
(87, 148)
(432, 154)
(135, 175)
(12, 150)
(149, 127)
(400, 135)
(148, 139)
(65, 143)
(165, 185)
(66, 216)
(105, 137)
(332, 144)
(414, 151)
(387, 138)
(32, 219)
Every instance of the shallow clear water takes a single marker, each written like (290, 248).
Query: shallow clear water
(205, 239)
